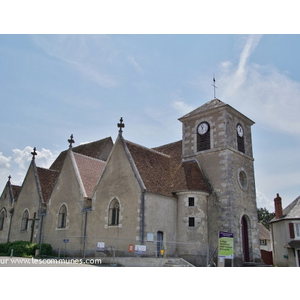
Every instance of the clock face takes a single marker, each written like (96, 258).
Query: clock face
(203, 128)
(240, 130)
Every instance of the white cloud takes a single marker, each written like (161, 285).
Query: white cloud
(45, 158)
(22, 157)
(179, 104)
(4, 161)
(78, 51)
(261, 92)
(264, 202)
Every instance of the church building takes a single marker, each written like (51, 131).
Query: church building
(122, 199)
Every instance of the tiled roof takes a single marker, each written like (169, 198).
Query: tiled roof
(292, 211)
(153, 167)
(214, 103)
(90, 170)
(264, 233)
(15, 190)
(186, 175)
(47, 179)
(162, 170)
(99, 149)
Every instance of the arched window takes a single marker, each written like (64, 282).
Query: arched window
(24, 222)
(2, 218)
(203, 137)
(62, 217)
(114, 211)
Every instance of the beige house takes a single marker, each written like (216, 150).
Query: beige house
(285, 234)
(264, 238)
(265, 244)
(123, 199)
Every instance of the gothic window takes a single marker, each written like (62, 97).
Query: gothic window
(62, 217)
(2, 218)
(24, 222)
(203, 137)
(114, 211)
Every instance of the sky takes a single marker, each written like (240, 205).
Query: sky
(149, 62)
(52, 86)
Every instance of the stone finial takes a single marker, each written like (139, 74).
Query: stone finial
(71, 141)
(121, 125)
(34, 154)
(9, 178)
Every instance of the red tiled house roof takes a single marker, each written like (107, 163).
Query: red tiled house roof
(163, 171)
(153, 167)
(90, 170)
(99, 149)
(186, 175)
(47, 179)
(15, 191)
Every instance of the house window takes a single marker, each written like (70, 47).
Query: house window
(24, 222)
(203, 137)
(191, 201)
(114, 211)
(263, 242)
(62, 217)
(191, 222)
(297, 230)
(2, 218)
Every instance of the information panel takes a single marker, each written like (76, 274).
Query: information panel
(226, 244)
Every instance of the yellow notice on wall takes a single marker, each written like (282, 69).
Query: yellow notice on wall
(226, 244)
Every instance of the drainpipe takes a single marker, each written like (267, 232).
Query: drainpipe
(11, 215)
(41, 228)
(207, 222)
(143, 217)
(84, 233)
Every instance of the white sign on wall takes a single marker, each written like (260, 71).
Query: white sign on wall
(140, 249)
(100, 246)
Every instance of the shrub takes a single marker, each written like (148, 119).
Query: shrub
(23, 248)
(4, 248)
(46, 249)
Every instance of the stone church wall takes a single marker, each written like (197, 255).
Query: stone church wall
(28, 200)
(5, 206)
(65, 192)
(160, 216)
(117, 182)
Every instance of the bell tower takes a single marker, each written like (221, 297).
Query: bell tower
(219, 137)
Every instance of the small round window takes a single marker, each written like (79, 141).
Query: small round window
(243, 180)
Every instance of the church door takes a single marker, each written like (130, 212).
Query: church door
(245, 239)
(160, 238)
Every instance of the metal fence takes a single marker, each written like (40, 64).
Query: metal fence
(96, 246)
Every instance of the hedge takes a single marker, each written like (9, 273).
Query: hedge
(24, 248)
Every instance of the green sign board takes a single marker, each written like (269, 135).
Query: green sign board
(226, 244)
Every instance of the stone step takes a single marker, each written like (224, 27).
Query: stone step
(177, 262)
(255, 264)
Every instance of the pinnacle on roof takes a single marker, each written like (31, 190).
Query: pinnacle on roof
(121, 125)
(71, 141)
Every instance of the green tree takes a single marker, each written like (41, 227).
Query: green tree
(264, 216)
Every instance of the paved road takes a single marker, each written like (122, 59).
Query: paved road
(6, 261)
